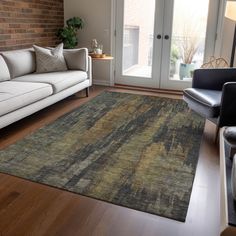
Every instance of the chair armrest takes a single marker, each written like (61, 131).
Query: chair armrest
(228, 105)
(76, 59)
(213, 79)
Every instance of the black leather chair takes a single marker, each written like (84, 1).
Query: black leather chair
(213, 95)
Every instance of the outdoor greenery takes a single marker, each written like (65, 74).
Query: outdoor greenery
(174, 52)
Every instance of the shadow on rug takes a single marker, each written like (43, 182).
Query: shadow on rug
(136, 151)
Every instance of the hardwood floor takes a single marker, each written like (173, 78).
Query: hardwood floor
(28, 208)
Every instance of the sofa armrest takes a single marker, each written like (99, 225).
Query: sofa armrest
(76, 59)
(228, 105)
(90, 70)
(213, 79)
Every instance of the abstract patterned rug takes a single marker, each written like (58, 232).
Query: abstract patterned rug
(132, 150)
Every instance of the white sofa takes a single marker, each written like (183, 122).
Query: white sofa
(24, 92)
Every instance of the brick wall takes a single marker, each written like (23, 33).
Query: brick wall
(27, 22)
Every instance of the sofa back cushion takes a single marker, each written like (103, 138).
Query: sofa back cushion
(20, 62)
(4, 72)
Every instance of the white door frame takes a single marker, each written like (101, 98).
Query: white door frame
(161, 78)
(157, 48)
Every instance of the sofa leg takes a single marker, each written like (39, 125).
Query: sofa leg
(87, 91)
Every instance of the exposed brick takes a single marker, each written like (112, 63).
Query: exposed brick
(27, 22)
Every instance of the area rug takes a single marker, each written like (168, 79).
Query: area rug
(131, 150)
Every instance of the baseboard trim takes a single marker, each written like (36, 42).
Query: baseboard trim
(101, 82)
(137, 88)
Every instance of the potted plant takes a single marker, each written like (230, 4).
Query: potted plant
(68, 34)
(188, 48)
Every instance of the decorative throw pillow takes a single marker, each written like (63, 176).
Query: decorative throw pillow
(50, 60)
(76, 59)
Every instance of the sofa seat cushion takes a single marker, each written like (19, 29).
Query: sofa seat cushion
(15, 95)
(204, 101)
(59, 80)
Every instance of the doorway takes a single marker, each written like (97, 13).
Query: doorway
(159, 43)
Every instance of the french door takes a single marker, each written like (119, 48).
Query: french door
(160, 42)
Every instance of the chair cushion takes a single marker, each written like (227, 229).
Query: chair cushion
(58, 80)
(4, 72)
(204, 101)
(50, 60)
(14, 95)
(20, 62)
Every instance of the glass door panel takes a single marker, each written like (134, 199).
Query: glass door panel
(138, 31)
(188, 38)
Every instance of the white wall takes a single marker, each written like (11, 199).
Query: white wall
(227, 39)
(225, 34)
(97, 16)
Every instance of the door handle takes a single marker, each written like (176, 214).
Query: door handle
(159, 36)
(166, 37)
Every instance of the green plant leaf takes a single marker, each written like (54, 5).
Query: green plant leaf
(68, 34)
(75, 22)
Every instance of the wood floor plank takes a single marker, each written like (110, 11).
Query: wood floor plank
(28, 208)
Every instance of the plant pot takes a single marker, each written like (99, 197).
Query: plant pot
(185, 70)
